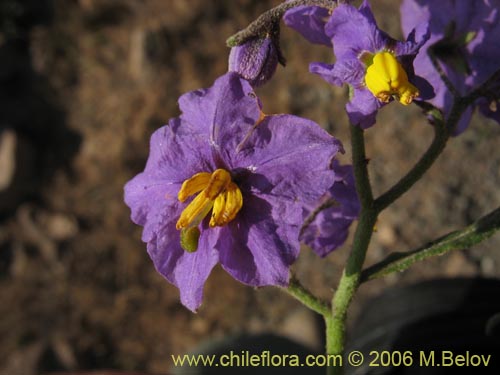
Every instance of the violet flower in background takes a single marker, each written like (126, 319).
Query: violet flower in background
(255, 60)
(377, 67)
(329, 228)
(465, 38)
(251, 176)
(310, 22)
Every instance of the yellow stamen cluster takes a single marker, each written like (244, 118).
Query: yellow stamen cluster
(385, 78)
(217, 192)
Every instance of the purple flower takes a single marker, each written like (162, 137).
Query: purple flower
(255, 60)
(377, 67)
(465, 40)
(226, 184)
(328, 229)
(310, 22)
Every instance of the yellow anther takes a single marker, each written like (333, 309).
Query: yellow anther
(195, 211)
(385, 78)
(193, 185)
(216, 192)
(226, 206)
(219, 181)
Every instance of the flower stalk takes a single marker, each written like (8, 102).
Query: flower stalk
(268, 20)
(299, 292)
(471, 235)
(437, 146)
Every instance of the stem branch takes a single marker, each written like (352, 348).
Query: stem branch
(299, 292)
(426, 161)
(471, 235)
(267, 20)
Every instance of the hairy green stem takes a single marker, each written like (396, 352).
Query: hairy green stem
(299, 292)
(437, 146)
(442, 132)
(360, 165)
(267, 21)
(351, 275)
(349, 283)
(488, 90)
(471, 235)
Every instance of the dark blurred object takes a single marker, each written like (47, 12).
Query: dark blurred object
(456, 315)
(99, 372)
(17, 168)
(18, 16)
(31, 116)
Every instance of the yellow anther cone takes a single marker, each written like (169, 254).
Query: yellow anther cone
(215, 191)
(385, 78)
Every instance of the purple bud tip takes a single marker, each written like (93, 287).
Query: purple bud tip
(255, 60)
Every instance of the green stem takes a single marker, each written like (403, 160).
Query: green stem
(370, 208)
(426, 161)
(488, 90)
(296, 290)
(442, 132)
(350, 280)
(458, 240)
(351, 275)
(360, 165)
(330, 334)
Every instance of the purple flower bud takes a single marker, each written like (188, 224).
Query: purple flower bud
(255, 60)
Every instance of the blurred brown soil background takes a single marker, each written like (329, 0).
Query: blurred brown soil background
(84, 83)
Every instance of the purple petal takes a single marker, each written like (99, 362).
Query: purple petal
(330, 227)
(228, 108)
(192, 270)
(326, 234)
(354, 32)
(252, 250)
(345, 71)
(464, 121)
(456, 20)
(484, 49)
(152, 202)
(325, 71)
(344, 192)
(187, 271)
(152, 195)
(292, 157)
(424, 88)
(177, 144)
(366, 10)
(414, 41)
(310, 22)
(362, 108)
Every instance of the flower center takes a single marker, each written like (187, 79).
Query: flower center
(385, 78)
(215, 191)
